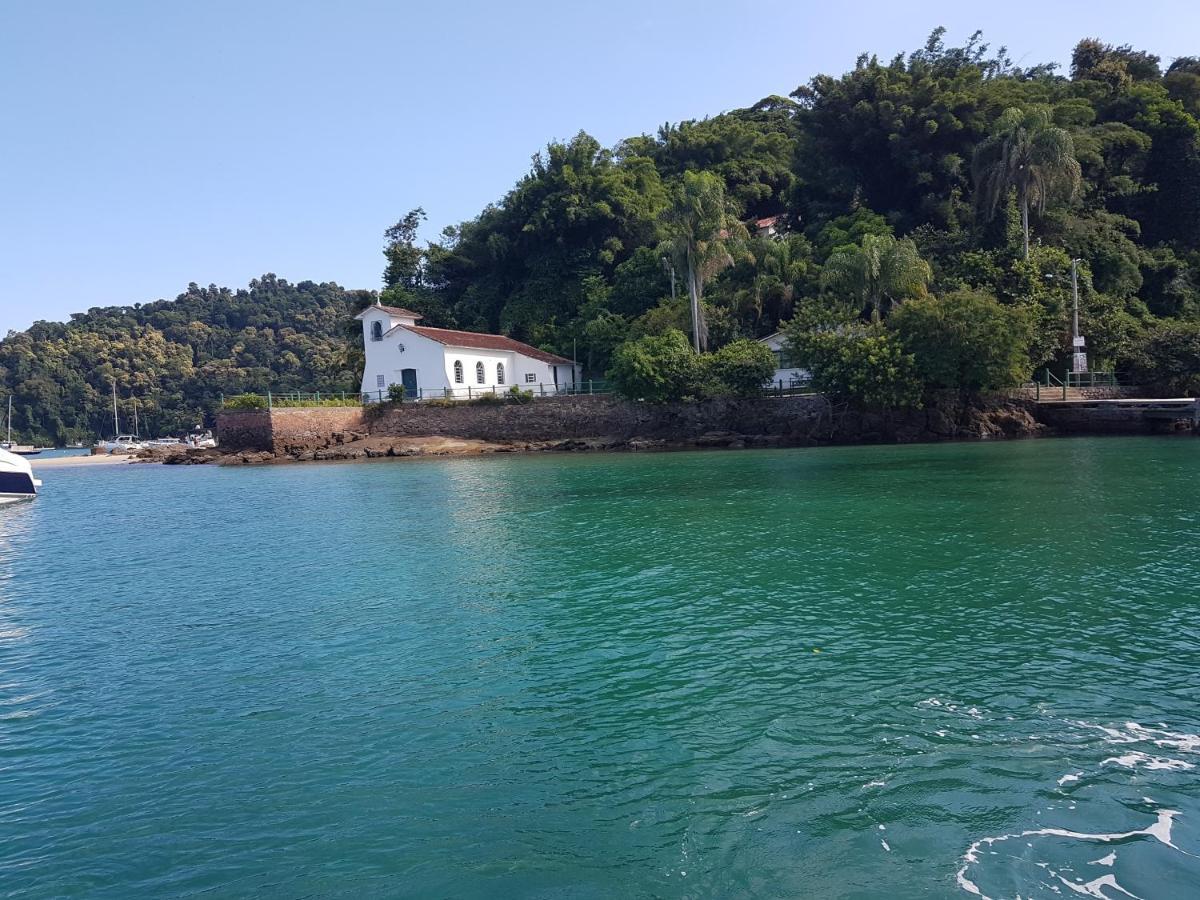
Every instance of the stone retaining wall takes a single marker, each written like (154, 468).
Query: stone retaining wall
(766, 421)
(555, 418)
(281, 431)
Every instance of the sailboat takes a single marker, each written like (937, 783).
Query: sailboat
(121, 443)
(19, 449)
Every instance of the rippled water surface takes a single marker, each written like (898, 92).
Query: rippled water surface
(866, 672)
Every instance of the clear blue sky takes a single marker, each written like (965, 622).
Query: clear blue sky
(146, 144)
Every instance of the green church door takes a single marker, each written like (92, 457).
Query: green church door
(409, 378)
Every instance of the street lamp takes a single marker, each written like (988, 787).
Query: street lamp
(1079, 361)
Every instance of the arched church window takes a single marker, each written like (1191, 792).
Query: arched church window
(480, 375)
(499, 373)
(458, 371)
(377, 331)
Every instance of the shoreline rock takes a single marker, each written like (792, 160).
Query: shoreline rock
(946, 419)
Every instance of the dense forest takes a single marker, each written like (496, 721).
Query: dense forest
(171, 360)
(935, 200)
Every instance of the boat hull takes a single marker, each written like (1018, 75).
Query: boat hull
(16, 479)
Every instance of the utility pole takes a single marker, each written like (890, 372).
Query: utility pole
(1079, 363)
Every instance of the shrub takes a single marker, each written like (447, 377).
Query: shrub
(656, 368)
(1167, 359)
(864, 365)
(397, 393)
(489, 400)
(739, 369)
(246, 401)
(965, 341)
(516, 395)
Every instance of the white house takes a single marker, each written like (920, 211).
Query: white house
(440, 362)
(787, 373)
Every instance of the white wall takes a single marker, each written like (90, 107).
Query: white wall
(386, 358)
(787, 375)
(469, 357)
(434, 363)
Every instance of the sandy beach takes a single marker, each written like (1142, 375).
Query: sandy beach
(60, 462)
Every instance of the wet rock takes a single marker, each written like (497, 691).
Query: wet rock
(718, 439)
(642, 444)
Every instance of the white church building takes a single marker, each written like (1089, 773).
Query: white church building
(440, 362)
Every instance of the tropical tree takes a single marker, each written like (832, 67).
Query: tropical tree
(965, 341)
(702, 231)
(878, 273)
(1028, 153)
(778, 266)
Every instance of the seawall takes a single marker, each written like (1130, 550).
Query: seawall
(277, 431)
(604, 421)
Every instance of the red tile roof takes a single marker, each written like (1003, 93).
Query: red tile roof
(391, 310)
(478, 341)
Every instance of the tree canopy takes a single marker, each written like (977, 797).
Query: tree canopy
(968, 172)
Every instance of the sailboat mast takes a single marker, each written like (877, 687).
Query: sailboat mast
(116, 422)
(10, 418)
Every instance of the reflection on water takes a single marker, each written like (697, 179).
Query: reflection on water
(901, 672)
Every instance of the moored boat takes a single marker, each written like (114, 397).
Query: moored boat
(16, 479)
(122, 443)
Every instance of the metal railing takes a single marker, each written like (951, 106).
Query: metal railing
(1052, 387)
(791, 387)
(1091, 379)
(514, 393)
(468, 393)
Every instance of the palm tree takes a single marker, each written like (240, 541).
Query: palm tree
(779, 264)
(879, 273)
(702, 230)
(1028, 153)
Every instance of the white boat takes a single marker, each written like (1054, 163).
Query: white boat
(122, 443)
(16, 479)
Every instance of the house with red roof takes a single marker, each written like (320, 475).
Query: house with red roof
(442, 362)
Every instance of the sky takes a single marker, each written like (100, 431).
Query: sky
(145, 145)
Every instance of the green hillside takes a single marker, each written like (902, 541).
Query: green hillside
(947, 178)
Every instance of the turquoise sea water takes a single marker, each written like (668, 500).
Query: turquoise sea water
(597, 676)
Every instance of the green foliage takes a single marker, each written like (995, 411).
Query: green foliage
(489, 399)
(1026, 153)
(877, 274)
(1167, 359)
(920, 172)
(246, 401)
(702, 233)
(740, 368)
(862, 364)
(965, 341)
(175, 359)
(656, 368)
(397, 393)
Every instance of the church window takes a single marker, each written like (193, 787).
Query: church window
(458, 371)
(377, 331)
(499, 373)
(480, 375)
